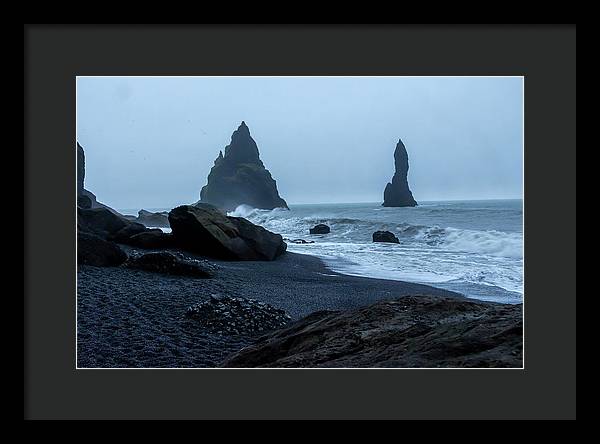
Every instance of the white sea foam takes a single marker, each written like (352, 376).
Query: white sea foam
(164, 229)
(247, 211)
(494, 243)
(242, 211)
(465, 247)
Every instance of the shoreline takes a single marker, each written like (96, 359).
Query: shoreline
(461, 288)
(135, 319)
(258, 280)
(484, 273)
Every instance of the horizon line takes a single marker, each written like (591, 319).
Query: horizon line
(355, 202)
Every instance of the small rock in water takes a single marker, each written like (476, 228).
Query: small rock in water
(320, 229)
(229, 315)
(385, 236)
(299, 241)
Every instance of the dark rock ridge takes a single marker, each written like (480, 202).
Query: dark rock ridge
(204, 229)
(99, 230)
(385, 236)
(234, 315)
(104, 223)
(397, 193)
(113, 227)
(411, 331)
(320, 229)
(150, 219)
(122, 235)
(169, 263)
(239, 177)
(152, 240)
(298, 241)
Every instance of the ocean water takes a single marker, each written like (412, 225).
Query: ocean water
(472, 247)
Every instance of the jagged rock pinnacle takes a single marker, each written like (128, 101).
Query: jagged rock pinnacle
(240, 177)
(397, 193)
(242, 148)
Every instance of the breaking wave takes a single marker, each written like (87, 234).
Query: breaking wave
(464, 250)
(488, 242)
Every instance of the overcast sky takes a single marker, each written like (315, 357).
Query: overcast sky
(150, 142)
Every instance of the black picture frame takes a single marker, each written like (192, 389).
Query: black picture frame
(545, 55)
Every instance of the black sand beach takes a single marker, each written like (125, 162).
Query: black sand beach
(134, 318)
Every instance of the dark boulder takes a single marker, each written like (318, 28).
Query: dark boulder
(265, 244)
(100, 221)
(93, 250)
(240, 177)
(203, 229)
(320, 229)
(167, 263)
(151, 219)
(115, 228)
(124, 234)
(152, 240)
(411, 331)
(385, 236)
(397, 193)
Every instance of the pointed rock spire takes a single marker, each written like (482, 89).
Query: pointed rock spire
(242, 147)
(397, 193)
(239, 177)
(219, 158)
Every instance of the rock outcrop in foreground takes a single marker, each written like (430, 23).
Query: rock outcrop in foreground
(205, 230)
(239, 177)
(99, 230)
(411, 331)
(397, 193)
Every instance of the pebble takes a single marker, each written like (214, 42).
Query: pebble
(235, 315)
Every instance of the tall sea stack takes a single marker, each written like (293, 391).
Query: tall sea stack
(85, 198)
(397, 193)
(239, 177)
(80, 169)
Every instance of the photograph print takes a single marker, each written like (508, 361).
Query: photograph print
(299, 222)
